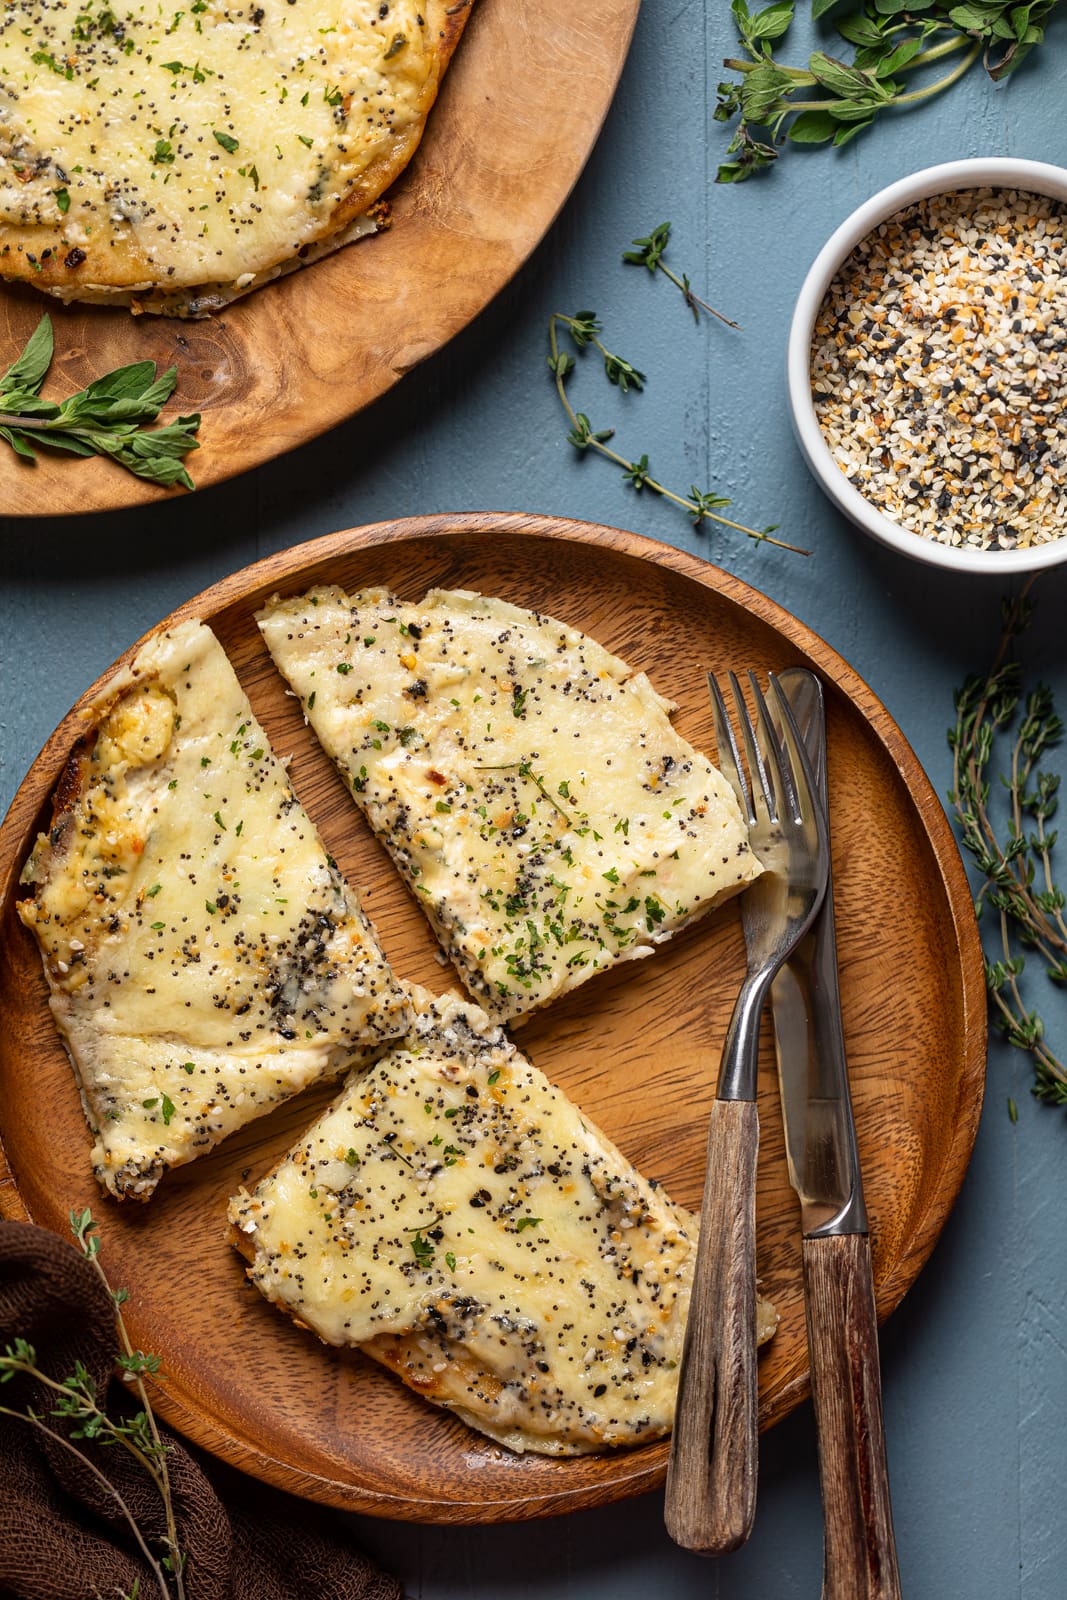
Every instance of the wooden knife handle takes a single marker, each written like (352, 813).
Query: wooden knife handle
(711, 1475)
(860, 1559)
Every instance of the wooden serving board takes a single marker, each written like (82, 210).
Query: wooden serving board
(518, 114)
(638, 1048)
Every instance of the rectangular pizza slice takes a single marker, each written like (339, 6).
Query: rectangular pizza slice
(205, 957)
(528, 785)
(458, 1219)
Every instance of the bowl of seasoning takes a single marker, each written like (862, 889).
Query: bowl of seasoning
(927, 366)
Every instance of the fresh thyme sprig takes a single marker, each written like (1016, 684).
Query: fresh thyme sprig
(649, 253)
(1019, 903)
(108, 418)
(75, 1400)
(891, 38)
(584, 330)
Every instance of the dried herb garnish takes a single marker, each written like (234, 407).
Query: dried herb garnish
(830, 101)
(424, 1249)
(1019, 905)
(108, 418)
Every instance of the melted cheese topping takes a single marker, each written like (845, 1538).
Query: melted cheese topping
(459, 1219)
(528, 785)
(211, 139)
(204, 955)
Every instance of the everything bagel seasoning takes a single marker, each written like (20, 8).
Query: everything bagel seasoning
(939, 369)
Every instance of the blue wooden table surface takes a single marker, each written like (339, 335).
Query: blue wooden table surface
(975, 1360)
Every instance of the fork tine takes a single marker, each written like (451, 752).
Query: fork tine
(775, 754)
(757, 766)
(768, 744)
(795, 766)
(728, 753)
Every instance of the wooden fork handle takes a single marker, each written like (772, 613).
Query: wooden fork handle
(711, 1475)
(860, 1558)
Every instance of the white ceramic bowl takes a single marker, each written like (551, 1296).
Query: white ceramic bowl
(997, 172)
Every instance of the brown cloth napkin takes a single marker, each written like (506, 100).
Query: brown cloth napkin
(62, 1537)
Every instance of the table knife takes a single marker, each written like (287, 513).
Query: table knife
(859, 1561)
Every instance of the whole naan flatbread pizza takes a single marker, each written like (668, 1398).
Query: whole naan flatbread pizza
(172, 156)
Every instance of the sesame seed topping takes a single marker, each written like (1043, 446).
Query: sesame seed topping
(939, 369)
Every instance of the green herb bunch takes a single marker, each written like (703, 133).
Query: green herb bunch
(108, 418)
(76, 1405)
(1020, 906)
(829, 100)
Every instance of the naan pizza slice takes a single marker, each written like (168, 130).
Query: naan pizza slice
(457, 1218)
(205, 957)
(528, 785)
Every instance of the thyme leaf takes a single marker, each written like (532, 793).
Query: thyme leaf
(648, 252)
(1020, 907)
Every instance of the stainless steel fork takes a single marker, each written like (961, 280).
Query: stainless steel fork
(711, 1476)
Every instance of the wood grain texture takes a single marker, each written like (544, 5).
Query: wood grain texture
(638, 1049)
(711, 1470)
(517, 116)
(860, 1559)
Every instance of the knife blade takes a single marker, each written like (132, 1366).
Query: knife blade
(820, 1134)
(859, 1554)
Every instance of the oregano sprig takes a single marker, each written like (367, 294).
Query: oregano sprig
(584, 329)
(74, 1401)
(109, 417)
(831, 101)
(649, 253)
(1019, 904)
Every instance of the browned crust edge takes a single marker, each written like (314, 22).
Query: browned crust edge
(72, 781)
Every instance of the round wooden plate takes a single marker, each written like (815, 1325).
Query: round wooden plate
(519, 111)
(638, 1048)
